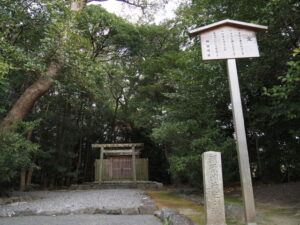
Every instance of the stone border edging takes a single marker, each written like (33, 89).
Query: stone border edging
(173, 217)
(144, 185)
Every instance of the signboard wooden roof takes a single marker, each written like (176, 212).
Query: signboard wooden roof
(228, 39)
(228, 22)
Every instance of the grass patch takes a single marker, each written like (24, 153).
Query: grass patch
(227, 199)
(167, 199)
(230, 199)
(280, 212)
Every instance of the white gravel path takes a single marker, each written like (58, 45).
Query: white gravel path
(81, 220)
(69, 201)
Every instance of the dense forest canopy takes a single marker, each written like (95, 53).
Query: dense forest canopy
(73, 76)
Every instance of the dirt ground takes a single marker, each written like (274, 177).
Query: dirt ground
(287, 194)
(277, 204)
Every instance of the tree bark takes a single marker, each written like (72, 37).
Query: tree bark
(25, 103)
(42, 85)
(23, 179)
(37, 89)
(29, 176)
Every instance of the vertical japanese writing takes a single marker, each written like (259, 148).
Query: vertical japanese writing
(228, 42)
(213, 188)
(207, 46)
(213, 180)
(215, 44)
(241, 43)
(232, 42)
(223, 40)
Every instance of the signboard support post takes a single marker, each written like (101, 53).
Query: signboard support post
(241, 141)
(231, 39)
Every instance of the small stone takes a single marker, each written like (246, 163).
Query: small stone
(235, 211)
(129, 211)
(112, 211)
(147, 209)
(157, 214)
(166, 212)
(174, 217)
(25, 213)
(179, 219)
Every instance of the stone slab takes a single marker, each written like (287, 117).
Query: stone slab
(213, 188)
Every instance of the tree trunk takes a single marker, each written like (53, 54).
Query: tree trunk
(31, 95)
(29, 176)
(30, 169)
(258, 158)
(37, 89)
(23, 179)
(80, 126)
(26, 177)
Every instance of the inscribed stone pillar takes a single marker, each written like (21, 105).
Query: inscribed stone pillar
(213, 189)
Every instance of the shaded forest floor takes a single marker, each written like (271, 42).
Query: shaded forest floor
(275, 204)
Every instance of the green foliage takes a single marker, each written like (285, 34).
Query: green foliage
(15, 152)
(186, 103)
(123, 82)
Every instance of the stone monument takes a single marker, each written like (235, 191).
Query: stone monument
(213, 189)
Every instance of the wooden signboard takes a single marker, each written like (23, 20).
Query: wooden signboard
(228, 42)
(230, 39)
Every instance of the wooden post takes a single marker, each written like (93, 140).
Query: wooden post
(101, 164)
(110, 169)
(241, 143)
(133, 164)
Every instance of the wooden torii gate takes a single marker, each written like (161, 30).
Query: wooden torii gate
(128, 152)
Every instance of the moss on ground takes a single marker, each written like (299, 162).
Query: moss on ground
(167, 199)
(228, 199)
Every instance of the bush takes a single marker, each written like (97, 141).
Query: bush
(15, 153)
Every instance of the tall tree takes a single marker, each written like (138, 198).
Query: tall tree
(55, 64)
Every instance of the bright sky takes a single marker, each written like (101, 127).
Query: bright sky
(133, 13)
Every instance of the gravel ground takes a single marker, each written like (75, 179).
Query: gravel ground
(71, 201)
(82, 220)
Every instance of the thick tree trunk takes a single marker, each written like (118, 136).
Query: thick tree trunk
(23, 179)
(25, 103)
(37, 89)
(29, 176)
(43, 84)
(30, 169)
